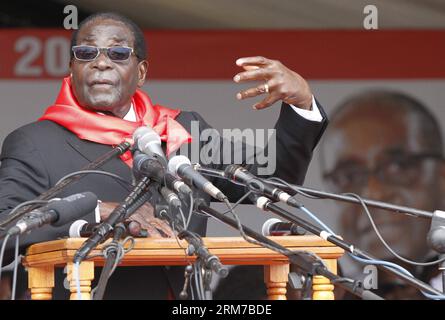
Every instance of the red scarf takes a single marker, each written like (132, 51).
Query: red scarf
(110, 130)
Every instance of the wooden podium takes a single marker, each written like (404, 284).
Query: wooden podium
(42, 258)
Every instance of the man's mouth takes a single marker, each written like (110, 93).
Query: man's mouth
(101, 83)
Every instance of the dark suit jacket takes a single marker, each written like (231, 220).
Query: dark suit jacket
(34, 157)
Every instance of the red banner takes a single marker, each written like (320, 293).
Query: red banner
(316, 54)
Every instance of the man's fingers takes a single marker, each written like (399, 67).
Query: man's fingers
(134, 228)
(253, 92)
(162, 226)
(152, 231)
(256, 74)
(144, 222)
(255, 61)
(247, 68)
(267, 102)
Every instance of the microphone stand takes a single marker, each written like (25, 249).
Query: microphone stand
(103, 231)
(371, 203)
(327, 195)
(111, 257)
(50, 193)
(436, 240)
(436, 236)
(118, 232)
(269, 206)
(304, 260)
(196, 246)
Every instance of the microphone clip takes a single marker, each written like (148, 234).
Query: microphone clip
(183, 295)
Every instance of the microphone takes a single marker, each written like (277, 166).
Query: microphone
(176, 184)
(171, 197)
(83, 229)
(149, 142)
(154, 170)
(149, 166)
(237, 173)
(276, 227)
(119, 213)
(57, 212)
(181, 166)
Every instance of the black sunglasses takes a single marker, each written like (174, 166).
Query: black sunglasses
(90, 53)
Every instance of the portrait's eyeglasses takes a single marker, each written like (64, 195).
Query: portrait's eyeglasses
(90, 53)
(395, 171)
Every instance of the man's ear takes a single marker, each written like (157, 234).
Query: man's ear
(142, 72)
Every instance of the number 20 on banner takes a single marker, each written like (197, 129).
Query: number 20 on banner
(41, 57)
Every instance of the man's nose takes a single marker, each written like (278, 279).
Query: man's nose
(102, 62)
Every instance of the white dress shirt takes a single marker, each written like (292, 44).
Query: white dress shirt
(311, 115)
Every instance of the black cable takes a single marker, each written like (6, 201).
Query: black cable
(395, 254)
(219, 176)
(111, 257)
(18, 207)
(284, 251)
(113, 253)
(16, 258)
(100, 172)
(348, 247)
(239, 201)
(204, 258)
(185, 256)
(191, 286)
(2, 253)
(68, 176)
(103, 231)
(184, 222)
(375, 228)
(189, 218)
(373, 203)
(293, 188)
(197, 277)
(307, 261)
(53, 191)
(419, 213)
(179, 242)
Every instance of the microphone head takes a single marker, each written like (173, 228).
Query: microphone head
(139, 132)
(230, 170)
(149, 142)
(73, 207)
(177, 161)
(75, 228)
(138, 160)
(265, 230)
(149, 137)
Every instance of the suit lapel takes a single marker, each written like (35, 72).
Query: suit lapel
(91, 151)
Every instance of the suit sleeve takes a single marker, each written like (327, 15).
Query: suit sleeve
(290, 150)
(23, 177)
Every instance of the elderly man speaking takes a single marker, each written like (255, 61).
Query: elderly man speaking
(100, 104)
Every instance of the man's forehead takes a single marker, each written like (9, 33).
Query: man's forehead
(109, 30)
(94, 36)
(371, 136)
